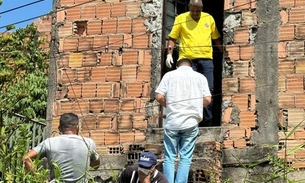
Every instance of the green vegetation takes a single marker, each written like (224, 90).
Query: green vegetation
(23, 96)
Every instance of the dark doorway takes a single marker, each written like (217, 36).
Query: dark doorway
(172, 8)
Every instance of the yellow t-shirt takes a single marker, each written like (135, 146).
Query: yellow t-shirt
(195, 38)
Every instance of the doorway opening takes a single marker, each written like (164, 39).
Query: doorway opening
(171, 9)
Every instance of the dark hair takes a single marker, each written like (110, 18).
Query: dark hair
(68, 120)
(184, 61)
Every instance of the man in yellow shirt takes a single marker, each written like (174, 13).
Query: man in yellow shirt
(195, 31)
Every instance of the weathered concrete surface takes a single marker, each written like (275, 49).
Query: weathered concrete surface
(266, 71)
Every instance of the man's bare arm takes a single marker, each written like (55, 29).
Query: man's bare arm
(161, 99)
(207, 101)
(27, 160)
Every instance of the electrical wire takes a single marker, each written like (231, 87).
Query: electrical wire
(19, 7)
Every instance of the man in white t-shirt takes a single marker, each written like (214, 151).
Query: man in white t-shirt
(183, 92)
(72, 153)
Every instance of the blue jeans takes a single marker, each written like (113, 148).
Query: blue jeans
(206, 67)
(182, 142)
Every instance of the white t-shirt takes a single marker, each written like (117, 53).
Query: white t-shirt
(184, 90)
(72, 153)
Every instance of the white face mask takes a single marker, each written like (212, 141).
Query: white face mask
(144, 170)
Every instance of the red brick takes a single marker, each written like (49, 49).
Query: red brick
(241, 101)
(117, 58)
(252, 102)
(133, 9)
(106, 59)
(129, 73)
(240, 143)
(115, 41)
(297, 15)
(96, 105)
(300, 66)
(139, 121)
(124, 26)
(248, 18)
(282, 83)
(109, 26)
(286, 67)
(113, 74)
(66, 2)
(300, 32)
(296, 48)
(228, 5)
(89, 60)
(70, 44)
(247, 119)
(112, 138)
(132, 89)
(118, 10)
(295, 83)
(116, 90)
(284, 16)
(286, 33)
(300, 154)
(139, 137)
(127, 137)
(81, 106)
(85, 43)
(66, 76)
(141, 41)
(138, 25)
(127, 105)
(228, 144)
(130, 57)
(127, 40)
(286, 3)
(299, 135)
(247, 52)
(237, 133)
(98, 74)
(146, 89)
(242, 4)
(66, 106)
(83, 74)
(299, 3)
(88, 12)
(99, 42)
(144, 73)
(88, 122)
(73, 13)
(105, 122)
(145, 57)
(81, 1)
(229, 85)
(103, 11)
(241, 69)
(286, 100)
(75, 60)
(104, 89)
(111, 105)
(89, 90)
(74, 91)
(233, 52)
(241, 36)
(247, 85)
(282, 49)
(65, 29)
(125, 122)
(94, 27)
(226, 117)
(300, 100)
(98, 137)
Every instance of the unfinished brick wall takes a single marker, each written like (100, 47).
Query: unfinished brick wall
(239, 101)
(104, 70)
